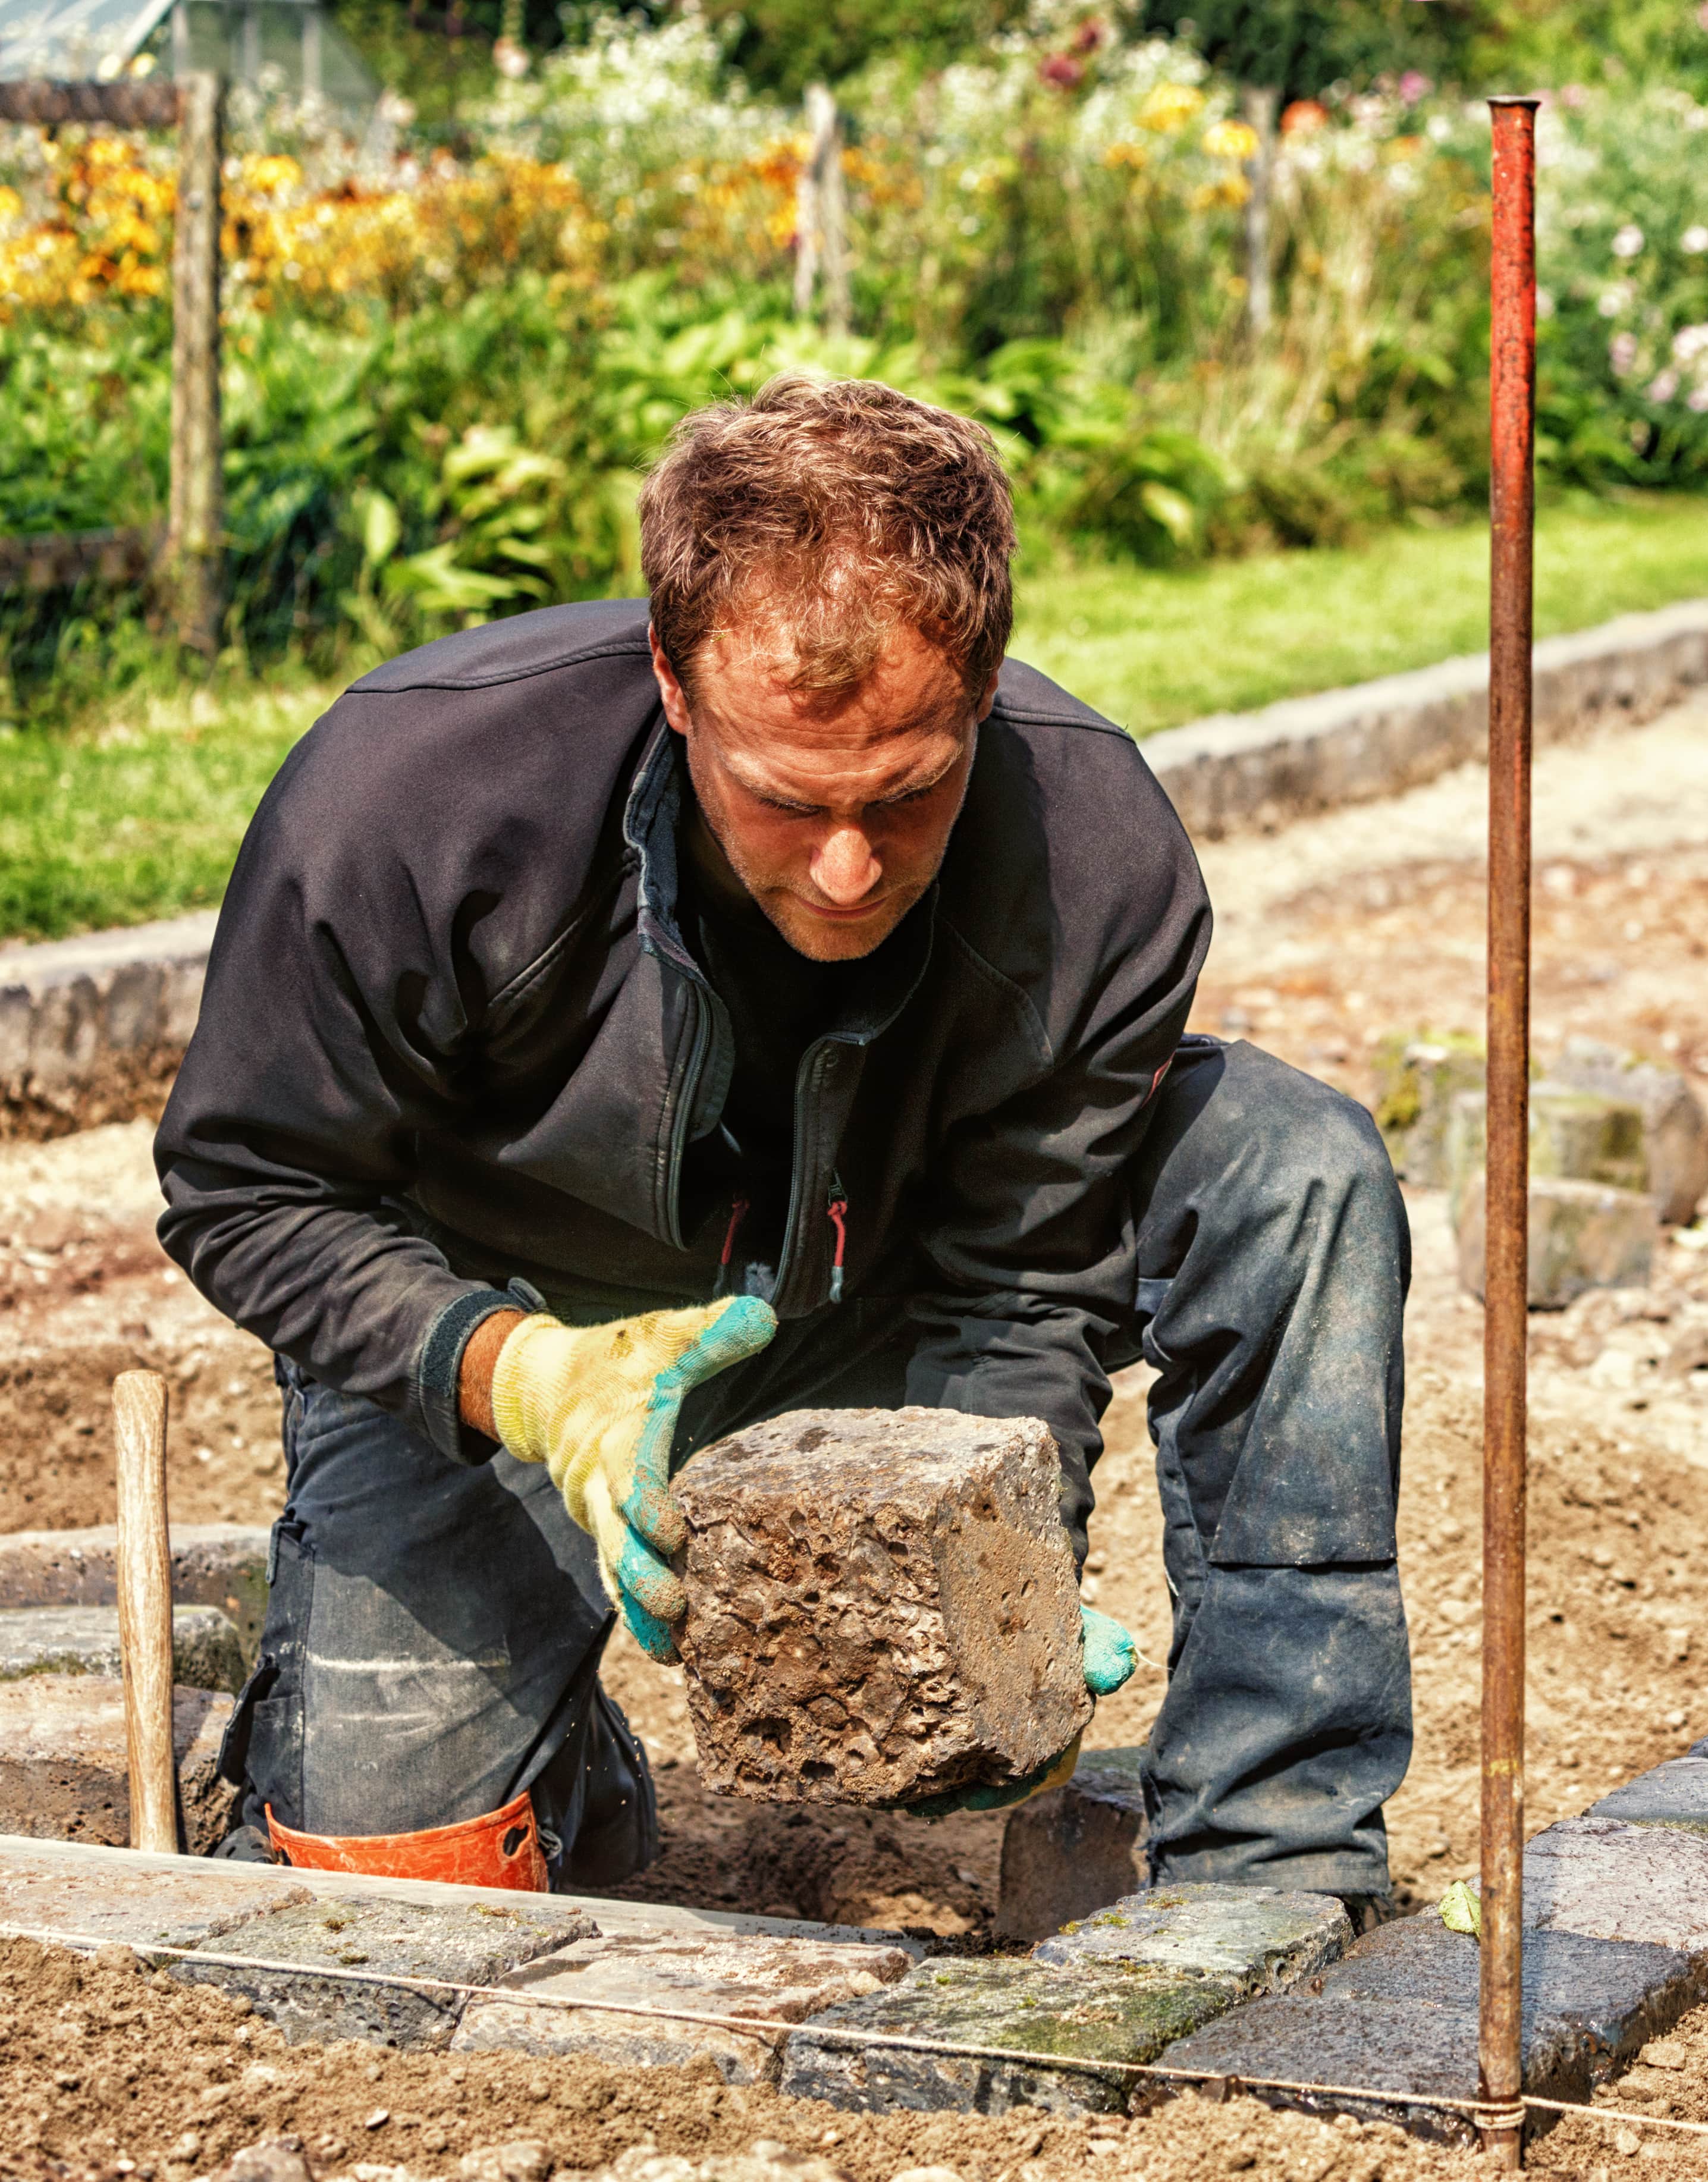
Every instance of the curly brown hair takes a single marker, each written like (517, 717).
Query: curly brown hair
(820, 515)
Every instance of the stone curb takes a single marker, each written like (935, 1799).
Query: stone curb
(222, 1565)
(81, 1018)
(1240, 769)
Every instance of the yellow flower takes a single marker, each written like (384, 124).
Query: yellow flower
(1167, 107)
(1230, 140)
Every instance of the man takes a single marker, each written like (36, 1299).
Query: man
(623, 1028)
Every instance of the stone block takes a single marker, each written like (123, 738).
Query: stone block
(134, 1903)
(471, 1943)
(786, 1980)
(1079, 2025)
(1674, 1125)
(222, 1565)
(1675, 1794)
(64, 1767)
(1255, 1939)
(1582, 1236)
(1616, 1880)
(1399, 2013)
(84, 1640)
(1575, 1136)
(1417, 1081)
(882, 1606)
(1074, 1849)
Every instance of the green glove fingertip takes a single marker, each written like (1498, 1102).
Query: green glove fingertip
(1112, 1657)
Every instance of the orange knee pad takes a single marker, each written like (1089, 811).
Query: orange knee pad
(501, 1849)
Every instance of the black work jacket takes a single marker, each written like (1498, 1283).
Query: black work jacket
(451, 1035)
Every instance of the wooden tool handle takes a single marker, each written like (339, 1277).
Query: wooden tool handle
(144, 1567)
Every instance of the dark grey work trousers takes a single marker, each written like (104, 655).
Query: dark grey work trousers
(433, 1632)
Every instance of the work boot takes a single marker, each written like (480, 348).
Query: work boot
(1367, 1911)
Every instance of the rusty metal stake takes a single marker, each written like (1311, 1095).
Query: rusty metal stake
(1511, 508)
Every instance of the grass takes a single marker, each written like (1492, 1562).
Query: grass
(1153, 648)
(138, 813)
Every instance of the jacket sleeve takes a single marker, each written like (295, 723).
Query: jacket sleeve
(1031, 1231)
(334, 1026)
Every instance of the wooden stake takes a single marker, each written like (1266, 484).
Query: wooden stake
(195, 540)
(143, 1560)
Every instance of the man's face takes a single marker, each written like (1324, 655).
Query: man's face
(833, 815)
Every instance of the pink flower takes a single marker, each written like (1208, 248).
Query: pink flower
(1089, 36)
(1663, 386)
(1573, 95)
(1621, 354)
(1697, 399)
(1414, 86)
(1062, 70)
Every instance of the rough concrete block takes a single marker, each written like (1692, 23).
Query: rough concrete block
(84, 1640)
(475, 1944)
(64, 1767)
(1256, 1939)
(1674, 1125)
(1615, 1880)
(783, 1979)
(1675, 1794)
(1575, 1136)
(882, 1605)
(222, 1565)
(1091, 2013)
(1076, 1848)
(1582, 1236)
(141, 1907)
(1417, 1081)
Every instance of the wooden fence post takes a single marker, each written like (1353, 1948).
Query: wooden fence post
(821, 215)
(195, 556)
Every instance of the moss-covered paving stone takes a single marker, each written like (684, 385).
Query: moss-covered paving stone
(1088, 2013)
(461, 1942)
(1260, 1939)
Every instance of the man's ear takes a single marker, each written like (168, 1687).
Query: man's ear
(670, 688)
(981, 712)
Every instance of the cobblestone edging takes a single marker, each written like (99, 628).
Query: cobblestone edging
(92, 1028)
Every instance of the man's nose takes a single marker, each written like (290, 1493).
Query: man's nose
(844, 869)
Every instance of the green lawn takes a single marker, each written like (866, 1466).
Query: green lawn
(139, 814)
(1152, 649)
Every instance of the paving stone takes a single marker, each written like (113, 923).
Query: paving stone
(65, 1765)
(1260, 1939)
(477, 1943)
(146, 1907)
(1091, 2013)
(1675, 1794)
(222, 1565)
(788, 1980)
(1399, 2012)
(1582, 1236)
(1674, 1125)
(1075, 1849)
(1575, 1136)
(1615, 1880)
(1417, 1081)
(84, 1640)
(882, 1606)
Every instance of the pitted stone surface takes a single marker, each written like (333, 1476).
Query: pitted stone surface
(1582, 1236)
(222, 1565)
(786, 1980)
(882, 1606)
(1101, 2013)
(1076, 1848)
(1674, 1125)
(84, 1640)
(1615, 1880)
(1673, 1795)
(1260, 1939)
(474, 1943)
(66, 1765)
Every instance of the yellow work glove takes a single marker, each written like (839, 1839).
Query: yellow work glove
(598, 1405)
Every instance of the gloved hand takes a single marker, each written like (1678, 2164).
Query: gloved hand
(1112, 1656)
(598, 1405)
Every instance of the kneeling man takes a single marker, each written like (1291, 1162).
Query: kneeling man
(630, 1020)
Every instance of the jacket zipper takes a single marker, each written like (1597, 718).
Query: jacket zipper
(836, 1212)
(687, 1085)
(738, 1213)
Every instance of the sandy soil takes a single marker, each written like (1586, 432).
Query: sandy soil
(1330, 934)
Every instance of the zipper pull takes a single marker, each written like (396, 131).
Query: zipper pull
(738, 1213)
(836, 1211)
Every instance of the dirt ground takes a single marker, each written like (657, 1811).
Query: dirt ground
(1331, 935)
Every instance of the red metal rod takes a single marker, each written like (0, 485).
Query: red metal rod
(1511, 508)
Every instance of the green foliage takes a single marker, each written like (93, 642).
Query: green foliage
(782, 46)
(1300, 47)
